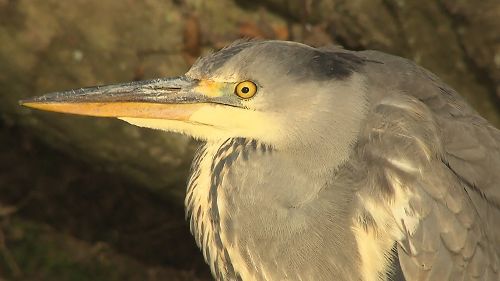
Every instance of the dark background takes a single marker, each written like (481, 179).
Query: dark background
(97, 199)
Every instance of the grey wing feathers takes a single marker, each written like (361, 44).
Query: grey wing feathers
(428, 146)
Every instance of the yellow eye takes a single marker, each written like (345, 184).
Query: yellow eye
(245, 89)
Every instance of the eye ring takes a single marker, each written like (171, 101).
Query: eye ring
(245, 89)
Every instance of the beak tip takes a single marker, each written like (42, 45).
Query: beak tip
(35, 102)
(28, 102)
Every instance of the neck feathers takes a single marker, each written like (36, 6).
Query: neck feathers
(202, 210)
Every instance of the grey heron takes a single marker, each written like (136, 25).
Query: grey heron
(322, 163)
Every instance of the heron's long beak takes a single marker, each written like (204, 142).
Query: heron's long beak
(168, 98)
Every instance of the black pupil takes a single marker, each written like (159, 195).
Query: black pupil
(245, 90)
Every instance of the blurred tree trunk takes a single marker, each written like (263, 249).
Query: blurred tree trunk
(55, 45)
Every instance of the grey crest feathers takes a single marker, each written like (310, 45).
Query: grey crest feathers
(308, 63)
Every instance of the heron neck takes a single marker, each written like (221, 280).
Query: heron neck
(248, 200)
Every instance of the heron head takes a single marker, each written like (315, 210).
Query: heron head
(281, 93)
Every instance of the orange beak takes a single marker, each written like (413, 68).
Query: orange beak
(168, 98)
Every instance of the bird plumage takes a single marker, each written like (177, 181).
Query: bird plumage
(407, 182)
(425, 130)
(343, 166)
